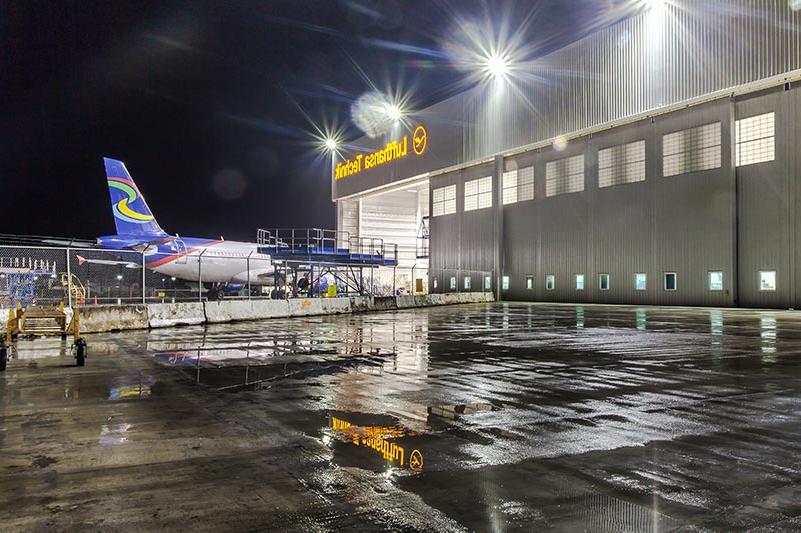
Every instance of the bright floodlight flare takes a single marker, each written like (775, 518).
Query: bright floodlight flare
(394, 112)
(497, 66)
(331, 144)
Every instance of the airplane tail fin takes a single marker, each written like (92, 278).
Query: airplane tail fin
(132, 216)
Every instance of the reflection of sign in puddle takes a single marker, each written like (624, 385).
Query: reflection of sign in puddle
(132, 386)
(379, 439)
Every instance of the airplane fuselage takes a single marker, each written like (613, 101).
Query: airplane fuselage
(191, 259)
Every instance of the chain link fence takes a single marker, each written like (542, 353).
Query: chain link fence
(31, 275)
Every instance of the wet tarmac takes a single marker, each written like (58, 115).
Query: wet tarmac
(497, 417)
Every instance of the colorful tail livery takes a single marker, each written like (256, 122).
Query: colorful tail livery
(132, 216)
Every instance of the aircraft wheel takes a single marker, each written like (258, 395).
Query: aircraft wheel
(3, 358)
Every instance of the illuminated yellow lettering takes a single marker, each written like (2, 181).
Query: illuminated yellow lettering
(392, 151)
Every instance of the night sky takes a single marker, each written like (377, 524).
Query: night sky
(211, 104)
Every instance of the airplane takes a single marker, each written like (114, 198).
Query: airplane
(224, 263)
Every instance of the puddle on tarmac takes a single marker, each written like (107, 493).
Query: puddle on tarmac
(373, 442)
(237, 370)
(133, 386)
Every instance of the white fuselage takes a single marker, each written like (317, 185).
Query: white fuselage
(216, 262)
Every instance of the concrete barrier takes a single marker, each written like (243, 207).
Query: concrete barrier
(178, 314)
(385, 303)
(360, 304)
(435, 299)
(335, 306)
(451, 299)
(405, 302)
(306, 306)
(124, 317)
(231, 310)
(420, 301)
(113, 317)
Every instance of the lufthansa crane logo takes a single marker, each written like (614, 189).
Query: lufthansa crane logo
(419, 140)
(416, 460)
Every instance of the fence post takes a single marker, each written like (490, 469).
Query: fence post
(200, 277)
(248, 260)
(69, 280)
(144, 299)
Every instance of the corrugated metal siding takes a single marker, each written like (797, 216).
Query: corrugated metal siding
(766, 205)
(682, 224)
(463, 241)
(347, 219)
(684, 50)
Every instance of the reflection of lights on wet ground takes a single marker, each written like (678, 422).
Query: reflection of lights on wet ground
(113, 434)
(579, 317)
(380, 440)
(767, 334)
(132, 386)
(641, 320)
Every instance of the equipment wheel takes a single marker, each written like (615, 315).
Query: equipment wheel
(80, 352)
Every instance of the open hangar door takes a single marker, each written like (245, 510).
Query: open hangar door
(398, 216)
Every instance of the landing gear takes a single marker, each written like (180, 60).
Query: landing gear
(80, 351)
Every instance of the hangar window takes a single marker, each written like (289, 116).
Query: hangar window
(478, 194)
(518, 185)
(487, 282)
(621, 164)
(716, 281)
(505, 283)
(603, 282)
(529, 282)
(550, 282)
(453, 283)
(444, 201)
(564, 176)
(767, 280)
(754, 139)
(640, 281)
(670, 281)
(691, 150)
(579, 282)
(468, 281)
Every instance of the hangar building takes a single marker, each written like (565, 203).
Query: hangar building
(652, 162)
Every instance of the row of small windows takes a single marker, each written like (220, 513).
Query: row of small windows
(691, 150)
(767, 281)
(467, 283)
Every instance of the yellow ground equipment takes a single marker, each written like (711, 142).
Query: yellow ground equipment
(39, 320)
(76, 288)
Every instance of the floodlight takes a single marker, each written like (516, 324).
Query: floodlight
(394, 112)
(496, 66)
(331, 144)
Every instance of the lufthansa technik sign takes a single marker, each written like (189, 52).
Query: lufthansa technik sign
(393, 151)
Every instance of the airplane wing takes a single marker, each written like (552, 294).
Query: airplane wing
(109, 262)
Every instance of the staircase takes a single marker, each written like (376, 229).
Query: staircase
(75, 287)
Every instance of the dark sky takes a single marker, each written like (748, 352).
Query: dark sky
(209, 103)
